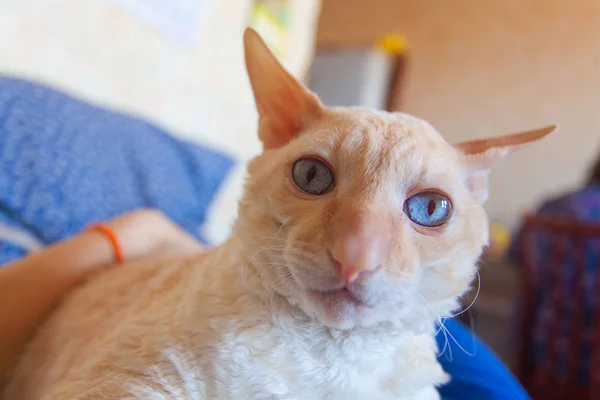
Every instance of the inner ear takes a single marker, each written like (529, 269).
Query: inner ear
(483, 153)
(478, 156)
(477, 184)
(284, 105)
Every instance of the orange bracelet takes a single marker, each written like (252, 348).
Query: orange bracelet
(112, 238)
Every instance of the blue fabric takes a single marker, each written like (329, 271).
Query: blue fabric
(477, 373)
(11, 251)
(65, 163)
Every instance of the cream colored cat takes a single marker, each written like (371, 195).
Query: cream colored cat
(357, 232)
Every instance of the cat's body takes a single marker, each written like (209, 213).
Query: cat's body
(181, 329)
(357, 232)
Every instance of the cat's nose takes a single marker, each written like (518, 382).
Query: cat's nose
(360, 248)
(350, 272)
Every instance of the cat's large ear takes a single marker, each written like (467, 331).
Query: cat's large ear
(478, 156)
(284, 104)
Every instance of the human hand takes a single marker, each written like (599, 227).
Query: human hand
(43, 278)
(148, 232)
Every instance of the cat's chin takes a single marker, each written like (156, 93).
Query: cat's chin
(340, 309)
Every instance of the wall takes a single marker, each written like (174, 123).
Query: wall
(480, 68)
(100, 51)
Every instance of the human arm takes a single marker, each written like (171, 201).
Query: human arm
(32, 287)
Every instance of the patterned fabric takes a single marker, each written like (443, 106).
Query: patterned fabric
(582, 205)
(65, 163)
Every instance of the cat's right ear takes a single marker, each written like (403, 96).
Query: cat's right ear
(284, 105)
(478, 156)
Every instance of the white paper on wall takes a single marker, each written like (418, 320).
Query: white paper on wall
(175, 19)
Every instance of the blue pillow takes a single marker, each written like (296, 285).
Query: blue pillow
(477, 373)
(65, 163)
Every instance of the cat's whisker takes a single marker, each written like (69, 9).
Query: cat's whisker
(279, 281)
(474, 299)
(472, 330)
(271, 212)
(266, 238)
(241, 268)
(305, 254)
(270, 239)
(252, 259)
(446, 341)
(273, 293)
(272, 288)
(425, 302)
(284, 223)
(282, 280)
(472, 354)
(447, 333)
(260, 249)
(442, 328)
(285, 275)
(278, 224)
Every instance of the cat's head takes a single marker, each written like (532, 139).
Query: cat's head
(360, 216)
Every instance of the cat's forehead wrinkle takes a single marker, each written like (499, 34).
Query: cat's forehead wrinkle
(377, 149)
(390, 126)
(390, 136)
(324, 141)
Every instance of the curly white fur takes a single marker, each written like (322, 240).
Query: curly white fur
(195, 329)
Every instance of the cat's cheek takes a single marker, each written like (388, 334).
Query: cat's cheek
(448, 281)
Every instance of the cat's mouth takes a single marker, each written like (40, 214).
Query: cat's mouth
(339, 296)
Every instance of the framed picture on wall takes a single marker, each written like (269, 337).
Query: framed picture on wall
(272, 20)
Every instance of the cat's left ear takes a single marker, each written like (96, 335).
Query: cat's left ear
(284, 105)
(478, 156)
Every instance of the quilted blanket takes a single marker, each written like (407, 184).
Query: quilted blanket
(65, 163)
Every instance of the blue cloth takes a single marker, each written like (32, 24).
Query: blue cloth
(65, 163)
(477, 373)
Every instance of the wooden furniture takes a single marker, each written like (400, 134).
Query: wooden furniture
(560, 309)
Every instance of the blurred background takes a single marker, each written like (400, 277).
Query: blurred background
(472, 68)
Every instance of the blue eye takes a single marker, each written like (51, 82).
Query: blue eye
(428, 209)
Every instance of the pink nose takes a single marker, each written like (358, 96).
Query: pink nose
(360, 248)
(350, 272)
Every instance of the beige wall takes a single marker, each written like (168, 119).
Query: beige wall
(100, 51)
(486, 67)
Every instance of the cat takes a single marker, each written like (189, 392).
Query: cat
(358, 231)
